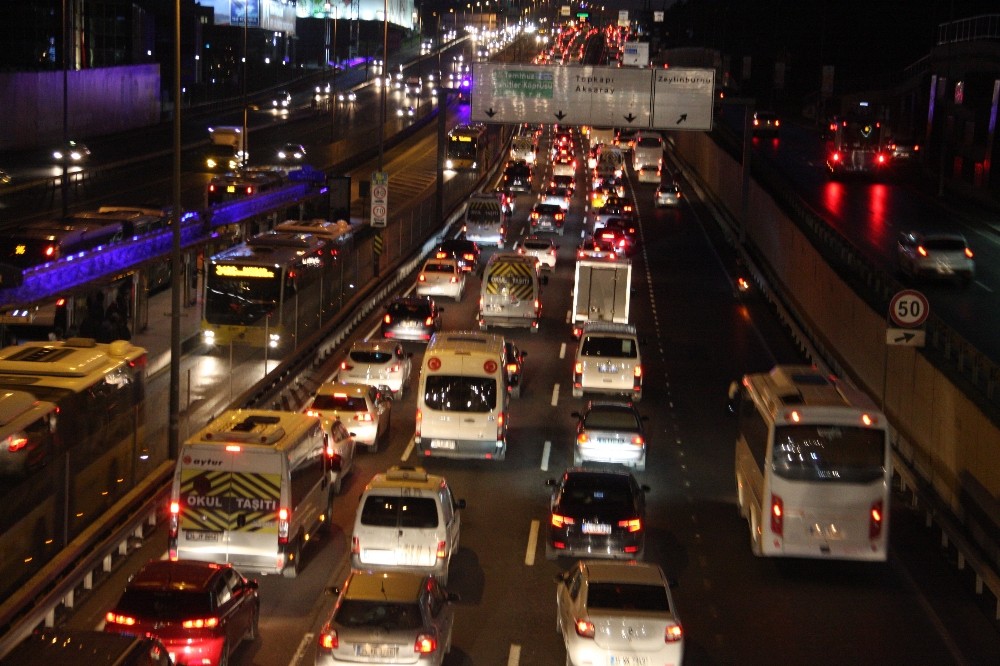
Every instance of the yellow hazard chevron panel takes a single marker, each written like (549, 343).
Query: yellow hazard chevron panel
(217, 501)
(514, 277)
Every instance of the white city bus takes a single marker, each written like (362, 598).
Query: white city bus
(813, 466)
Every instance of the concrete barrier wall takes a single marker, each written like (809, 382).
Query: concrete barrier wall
(941, 433)
(101, 101)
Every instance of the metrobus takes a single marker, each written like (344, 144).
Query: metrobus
(263, 291)
(72, 427)
(857, 145)
(813, 466)
(466, 149)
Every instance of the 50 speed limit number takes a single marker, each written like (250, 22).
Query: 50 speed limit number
(909, 308)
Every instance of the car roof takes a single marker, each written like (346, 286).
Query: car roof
(623, 572)
(399, 476)
(374, 344)
(384, 586)
(187, 575)
(352, 389)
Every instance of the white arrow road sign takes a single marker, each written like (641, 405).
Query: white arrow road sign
(907, 337)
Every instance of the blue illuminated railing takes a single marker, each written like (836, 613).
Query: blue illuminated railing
(57, 277)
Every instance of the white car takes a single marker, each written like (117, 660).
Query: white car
(441, 277)
(649, 173)
(539, 247)
(615, 612)
(377, 363)
(364, 410)
(668, 194)
(558, 195)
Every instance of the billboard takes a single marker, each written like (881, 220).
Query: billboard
(401, 12)
(272, 15)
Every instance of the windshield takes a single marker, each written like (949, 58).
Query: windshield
(829, 453)
(456, 393)
(462, 149)
(242, 299)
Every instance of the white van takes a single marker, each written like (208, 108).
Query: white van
(462, 397)
(250, 489)
(407, 521)
(510, 294)
(524, 147)
(485, 220)
(608, 361)
(647, 150)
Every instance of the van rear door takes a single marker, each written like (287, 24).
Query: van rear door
(398, 528)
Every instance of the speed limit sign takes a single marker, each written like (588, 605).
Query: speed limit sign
(909, 308)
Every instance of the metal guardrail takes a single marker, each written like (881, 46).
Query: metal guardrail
(975, 541)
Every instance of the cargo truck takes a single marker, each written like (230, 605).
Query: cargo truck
(228, 148)
(602, 291)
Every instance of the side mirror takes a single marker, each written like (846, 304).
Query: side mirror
(459, 504)
(645, 488)
(561, 577)
(734, 397)
(252, 583)
(454, 597)
(333, 590)
(523, 354)
(576, 415)
(551, 482)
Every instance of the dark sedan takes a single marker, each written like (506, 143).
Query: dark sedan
(596, 513)
(411, 318)
(465, 252)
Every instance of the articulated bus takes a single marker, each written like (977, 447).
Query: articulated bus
(72, 428)
(266, 291)
(813, 466)
(466, 149)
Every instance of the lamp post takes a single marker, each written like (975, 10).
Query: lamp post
(173, 434)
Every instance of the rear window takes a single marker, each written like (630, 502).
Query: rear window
(829, 453)
(384, 615)
(389, 511)
(589, 491)
(339, 401)
(649, 142)
(164, 604)
(548, 209)
(459, 393)
(612, 347)
(611, 418)
(439, 268)
(627, 597)
(371, 356)
(952, 244)
(536, 245)
(411, 309)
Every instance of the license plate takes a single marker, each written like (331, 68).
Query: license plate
(596, 528)
(379, 651)
(628, 660)
(201, 536)
(607, 368)
(443, 444)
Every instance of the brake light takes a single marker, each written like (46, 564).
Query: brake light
(328, 639)
(637, 371)
(582, 438)
(442, 550)
(426, 644)
(421, 278)
(249, 190)
(560, 521)
(673, 633)
(584, 628)
(632, 525)
(284, 518)
(114, 618)
(520, 250)
(834, 157)
(511, 368)
(777, 515)
(387, 319)
(16, 443)
(50, 251)
(420, 418)
(427, 322)
(454, 279)
(638, 440)
(875, 520)
(921, 251)
(968, 253)
(201, 623)
(344, 365)
(441, 255)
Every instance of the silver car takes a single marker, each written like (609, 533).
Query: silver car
(388, 617)
(940, 254)
(365, 411)
(617, 613)
(377, 363)
(610, 431)
(668, 194)
(539, 247)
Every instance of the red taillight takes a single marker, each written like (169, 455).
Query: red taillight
(777, 515)
(637, 371)
(211, 187)
(835, 157)
(511, 368)
(638, 440)
(387, 319)
(673, 633)
(582, 438)
(201, 623)
(442, 550)
(584, 628)
(632, 525)
(328, 639)
(344, 365)
(560, 521)
(115, 618)
(421, 278)
(50, 251)
(428, 322)
(921, 250)
(420, 418)
(968, 253)
(175, 508)
(880, 158)
(249, 190)
(426, 644)
(875, 520)
(454, 279)
(355, 545)
(284, 518)
(15, 443)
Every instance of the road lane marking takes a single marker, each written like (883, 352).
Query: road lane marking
(562, 350)
(514, 657)
(303, 646)
(407, 451)
(546, 449)
(555, 395)
(529, 555)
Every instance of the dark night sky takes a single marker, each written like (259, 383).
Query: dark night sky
(868, 41)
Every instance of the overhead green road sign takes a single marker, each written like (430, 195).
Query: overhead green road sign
(526, 83)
